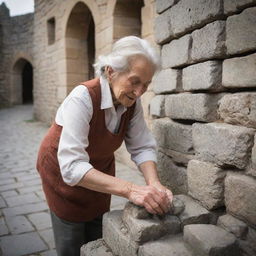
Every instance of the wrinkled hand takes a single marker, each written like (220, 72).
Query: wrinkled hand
(155, 198)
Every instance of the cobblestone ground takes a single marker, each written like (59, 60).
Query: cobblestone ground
(25, 226)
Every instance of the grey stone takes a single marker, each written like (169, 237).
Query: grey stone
(167, 80)
(96, 248)
(240, 197)
(19, 224)
(253, 170)
(232, 6)
(239, 72)
(172, 176)
(116, 235)
(231, 144)
(176, 53)
(41, 220)
(162, 5)
(157, 106)
(173, 135)
(135, 211)
(199, 107)
(239, 109)
(3, 228)
(48, 237)
(188, 15)
(211, 240)
(240, 32)
(206, 183)
(177, 206)
(23, 244)
(209, 42)
(2, 203)
(248, 245)
(193, 213)
(49, 253)
(202, 76)
(22, 199)
(168, 245)
(9, 193)
(233, 225)
(11, 186)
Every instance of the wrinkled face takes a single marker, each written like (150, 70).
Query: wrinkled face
(128, 86)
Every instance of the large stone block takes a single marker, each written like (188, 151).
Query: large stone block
(240, 197)
(202, 76)
(96, 248)
(199, 107)
(188, 15)
(172, 176)
(240, 32)
(239, 72)
(209, 42)
(162, 5)
(176, 53)
(173, 135)
(177, 157)
(248, 245)
(166, 81)
(239, 109)
(157, 106)
(206, 183)
(211, 240)
(223, 144)
(232, 6)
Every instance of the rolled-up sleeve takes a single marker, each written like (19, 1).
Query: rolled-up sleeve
(72, 156)
(139, 141)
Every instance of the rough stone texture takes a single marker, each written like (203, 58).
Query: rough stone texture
(231, 144)
(193, 213)
(202, 76)
(176, 53)
(166, 81)
(206, 183)
(240, 197)
(96, 248)
(177, 206)
(209, 42)
(177, 157)
(232, 6)
(157, 106)
(233, 225)
(162, 5)
(239, 72)
(188, 15)
(173, 135)
(239, 109)
(172, 176)
(240, 32)
(252, 170)
(211, 240)
(169, 245)
(135, 211)
(248, 245)
(199, 107)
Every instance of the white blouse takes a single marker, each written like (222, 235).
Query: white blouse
(74, 115)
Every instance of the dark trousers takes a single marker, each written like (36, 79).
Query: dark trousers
(70, 236)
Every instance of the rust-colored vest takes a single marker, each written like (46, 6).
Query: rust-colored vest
(77, 203)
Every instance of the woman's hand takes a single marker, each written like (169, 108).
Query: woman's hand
(155, 198)
(160, 187)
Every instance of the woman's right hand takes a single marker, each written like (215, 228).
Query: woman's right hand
(154, 200)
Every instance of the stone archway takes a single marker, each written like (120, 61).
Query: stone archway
(22, 82)
(80, 45)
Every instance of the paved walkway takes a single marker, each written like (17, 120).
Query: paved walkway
(25, 227)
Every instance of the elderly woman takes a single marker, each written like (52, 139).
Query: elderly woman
(76, 158)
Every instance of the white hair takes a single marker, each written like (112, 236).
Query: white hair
(123, 50)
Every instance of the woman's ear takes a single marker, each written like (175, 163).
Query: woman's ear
(109, 72)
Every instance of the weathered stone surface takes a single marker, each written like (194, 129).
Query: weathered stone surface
(96, 248)
(248, 245)
(188, 15)
(167, 80)
(202, 76)
(135, 211)
(199, 107)
(173, 135)
(176, 53)
(206, 183)
(172, 176)
(162, 5)
(211, 240)
(239, 72)
(209, 42)
(177, 157)
(231, 144)
(168, 245)
(163, 28)
(252, 170)
(232, 6)
(240, 32)
(240, 197)
(177, 206)
(116, 235)
(157, 106)
(233, 225)
(239, 108)
(193, 213)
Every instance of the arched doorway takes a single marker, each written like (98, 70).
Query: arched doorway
(22, 82)
(80, 45)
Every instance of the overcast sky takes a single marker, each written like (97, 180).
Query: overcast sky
(18, 7)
